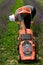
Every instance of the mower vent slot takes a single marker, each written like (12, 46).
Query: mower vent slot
(26, 37)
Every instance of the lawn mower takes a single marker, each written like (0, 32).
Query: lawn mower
(26, 47)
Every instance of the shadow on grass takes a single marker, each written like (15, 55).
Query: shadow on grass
(30, 62)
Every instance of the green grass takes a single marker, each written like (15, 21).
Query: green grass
(19, 3)
(40, 1)
(8, 42)
(1, 1)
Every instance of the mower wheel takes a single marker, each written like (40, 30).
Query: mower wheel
(37, 57)
(19, 58)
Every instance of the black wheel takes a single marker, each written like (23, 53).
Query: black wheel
(37, 57)
(19, 58)
(18, 48)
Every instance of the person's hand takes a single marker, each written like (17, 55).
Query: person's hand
(32, 22)
(18, 23)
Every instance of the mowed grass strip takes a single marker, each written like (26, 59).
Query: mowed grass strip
(8, 41)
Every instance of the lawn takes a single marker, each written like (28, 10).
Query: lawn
(8, 42)
(40, 1)
(1, 1)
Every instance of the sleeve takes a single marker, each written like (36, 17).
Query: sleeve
(16, 15)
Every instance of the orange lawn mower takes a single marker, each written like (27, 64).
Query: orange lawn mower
(26, 47)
